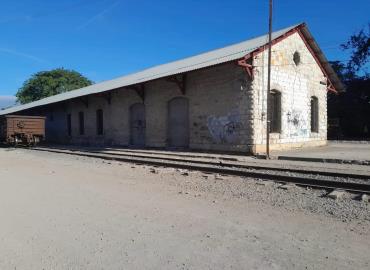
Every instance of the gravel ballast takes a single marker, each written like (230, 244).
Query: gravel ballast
(69, 212)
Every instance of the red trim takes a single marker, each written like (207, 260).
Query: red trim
(274, 41)
(330, 85)
(242, 62)
(331, 88)
(248, 67)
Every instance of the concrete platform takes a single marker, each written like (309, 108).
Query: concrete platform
(334, 152)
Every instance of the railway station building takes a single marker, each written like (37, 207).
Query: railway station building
(215, 101)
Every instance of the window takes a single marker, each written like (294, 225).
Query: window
(314, 114)
(297, 58)
(275, 111)
(99, 122)
(69, 124)
(81, 122)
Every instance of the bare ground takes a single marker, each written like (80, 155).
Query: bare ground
(63, 212)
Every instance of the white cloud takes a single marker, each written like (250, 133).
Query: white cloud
(8, 98)
(6, 101)
(99, 15)
(22, 54)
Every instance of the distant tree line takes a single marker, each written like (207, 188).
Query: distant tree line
(349, 111)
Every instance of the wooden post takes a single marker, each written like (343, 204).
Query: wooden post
(268, 85)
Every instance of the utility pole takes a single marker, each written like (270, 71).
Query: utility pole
(268, 85)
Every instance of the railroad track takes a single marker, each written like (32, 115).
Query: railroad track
(358, 183)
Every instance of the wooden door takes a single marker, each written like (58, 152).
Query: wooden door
(137, 125)
(178, 122)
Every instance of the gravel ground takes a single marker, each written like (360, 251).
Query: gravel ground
(348, 208)
(68, 212)
(224, 187)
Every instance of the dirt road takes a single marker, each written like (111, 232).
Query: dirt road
(63, 212)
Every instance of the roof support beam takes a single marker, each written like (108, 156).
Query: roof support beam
(246, 61)
(108, 97)
(139, 89)
(85, 101)
(247, 67)
(330, 87)
(181, 83)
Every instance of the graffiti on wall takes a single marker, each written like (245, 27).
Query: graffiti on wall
(224, 129)
(297, 123)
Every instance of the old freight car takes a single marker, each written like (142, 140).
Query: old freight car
(19, 129)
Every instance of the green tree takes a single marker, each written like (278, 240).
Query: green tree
(359, 45)
(48, 83)
(352, 107)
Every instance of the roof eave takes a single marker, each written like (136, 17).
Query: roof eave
(327, 68)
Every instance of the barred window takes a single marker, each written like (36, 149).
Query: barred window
(275, 111)
(99, 122)
(314, 114)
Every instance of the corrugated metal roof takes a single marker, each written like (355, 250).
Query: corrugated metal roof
(215, 57)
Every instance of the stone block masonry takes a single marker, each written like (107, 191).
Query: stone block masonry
(220, 113)
(297, 83)
(226, 111)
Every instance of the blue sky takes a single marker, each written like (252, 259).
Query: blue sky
(108, 38)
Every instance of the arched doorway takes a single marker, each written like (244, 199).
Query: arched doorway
(178, 122)
(137, 125)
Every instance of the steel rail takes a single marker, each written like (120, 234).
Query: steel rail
(223, 164)
(306, 181)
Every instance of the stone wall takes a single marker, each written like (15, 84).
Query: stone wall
(297, 84)
(226, 110)
(219, 107)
